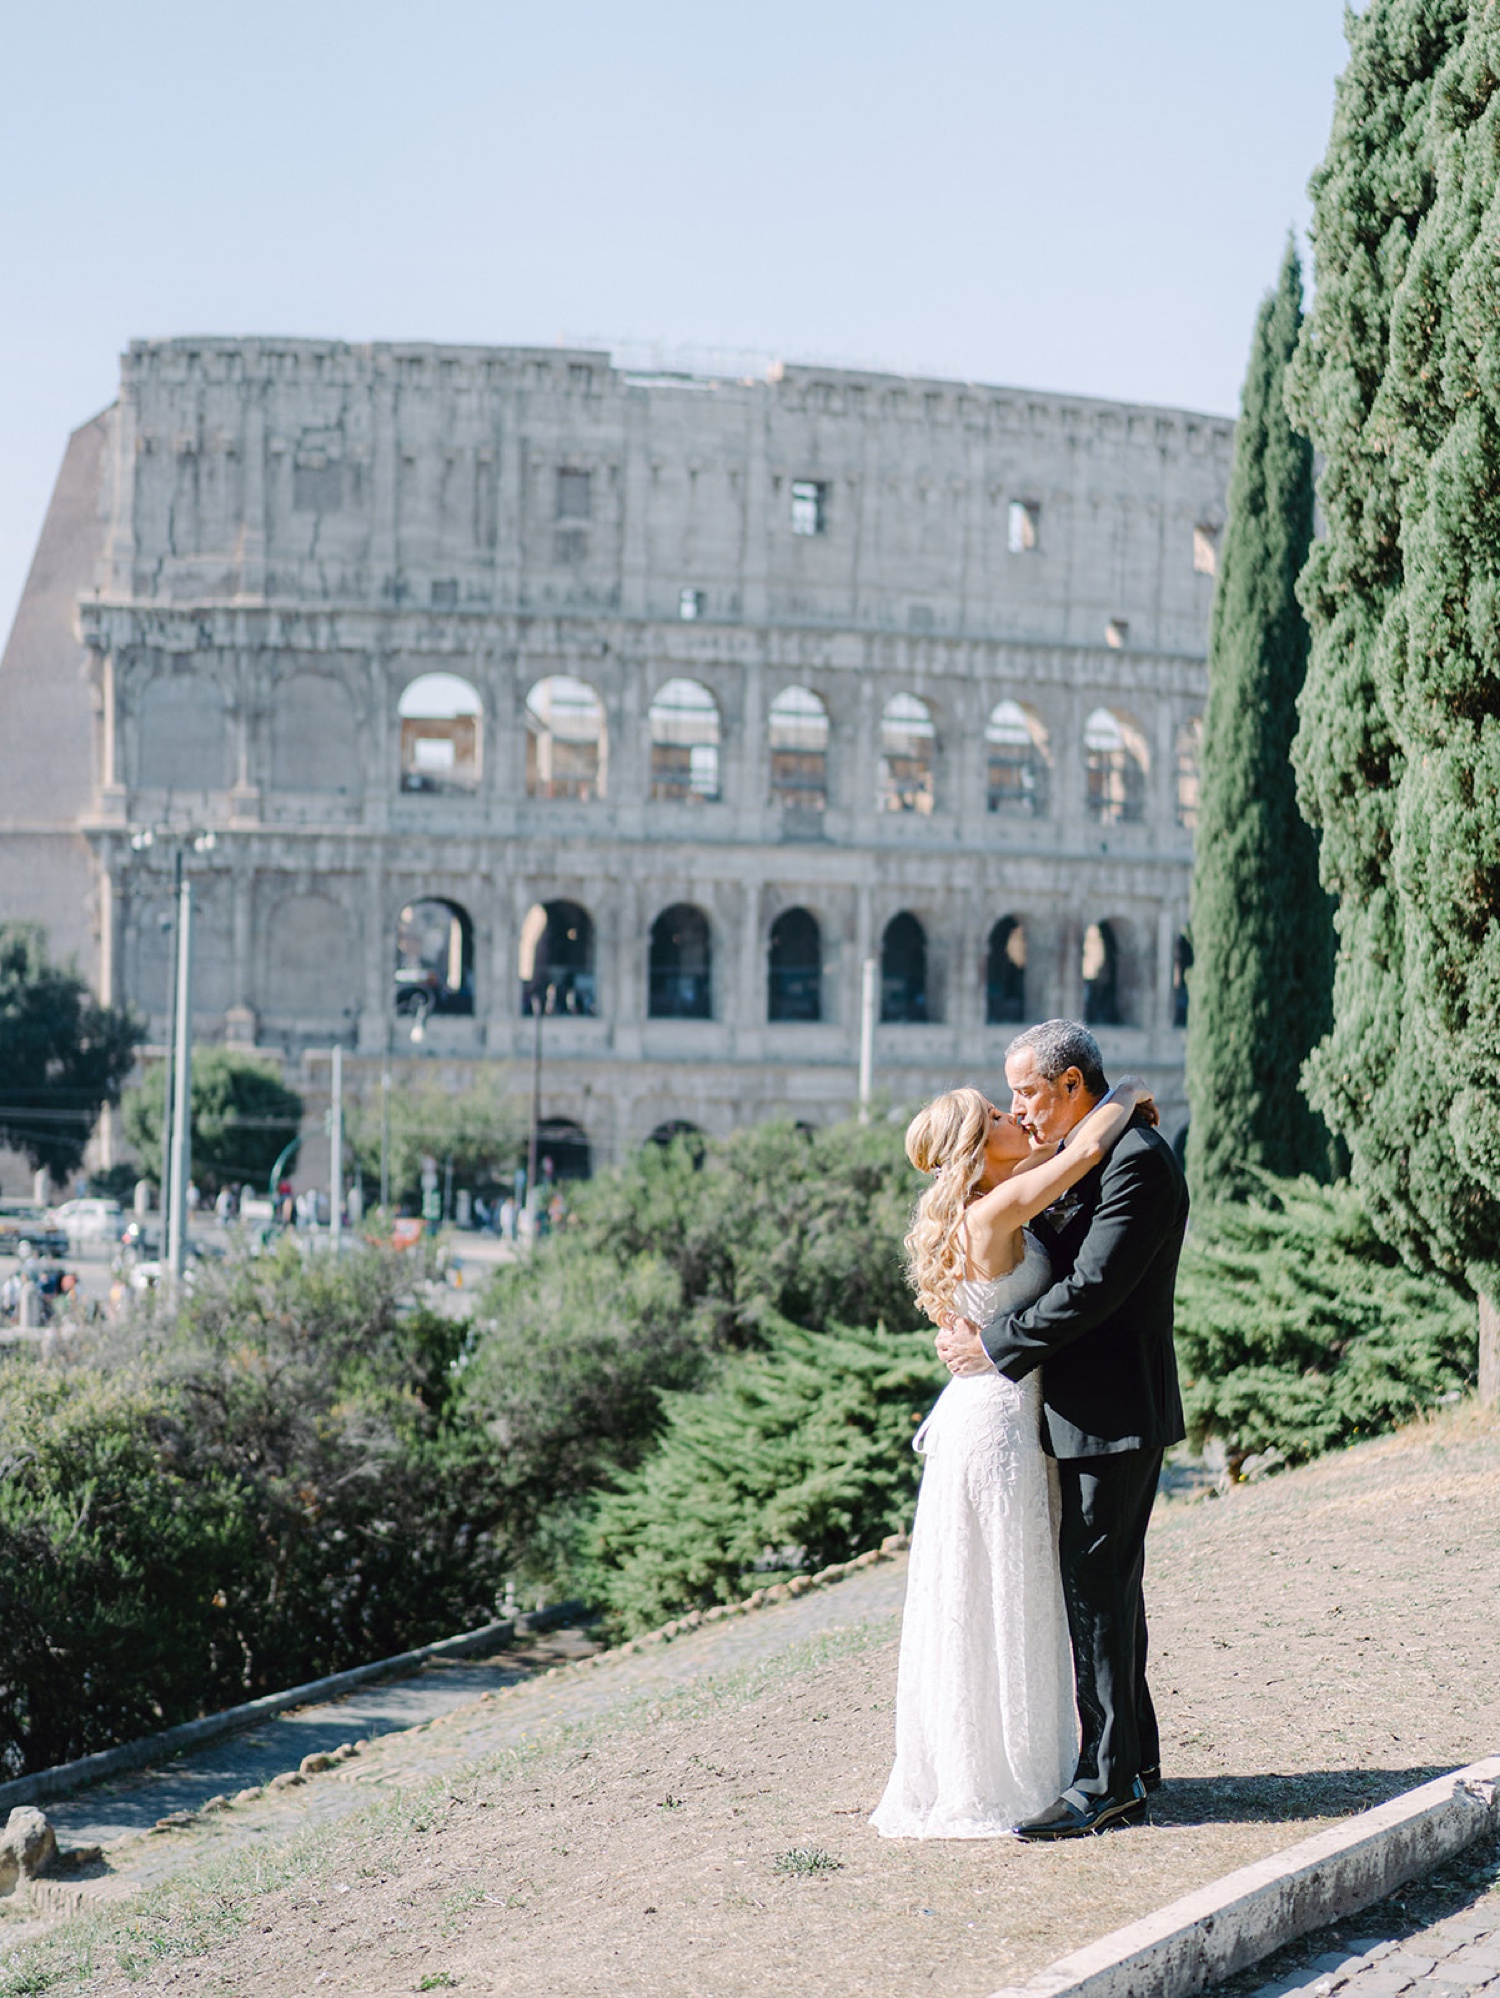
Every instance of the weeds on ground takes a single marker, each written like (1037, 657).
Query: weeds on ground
(805, 1859)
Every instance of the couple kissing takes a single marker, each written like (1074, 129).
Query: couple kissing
(1045, 1250)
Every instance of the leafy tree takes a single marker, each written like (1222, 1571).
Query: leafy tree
(63, 1056)
(1262, 925)
(481, 1128)
(1299, 1329)
(1398, 384)
(801, 1456)
(244, 1117)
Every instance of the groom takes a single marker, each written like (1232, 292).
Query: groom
(1102, 1336)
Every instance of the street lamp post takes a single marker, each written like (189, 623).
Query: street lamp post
(177, 1111)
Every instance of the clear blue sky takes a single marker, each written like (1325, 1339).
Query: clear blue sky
(1061, 194)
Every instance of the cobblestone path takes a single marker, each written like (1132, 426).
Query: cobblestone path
(1457, 1957)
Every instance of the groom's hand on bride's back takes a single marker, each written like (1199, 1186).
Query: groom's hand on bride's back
(960, 1347)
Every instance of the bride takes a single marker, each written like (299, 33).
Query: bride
(986, 1730)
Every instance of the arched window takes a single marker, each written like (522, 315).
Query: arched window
(903, 971)
(1182, 964)
(1005, 973)
(439, 734)
(796, 967)
(684, 721)
(681, 965)
(562, 1150)
(556, 959)
(1016, 760)
(1115, 756)
(907, 744)
(1101, 976)
(799, 751)
(566, 748)
(1189, 771)
(434, 959)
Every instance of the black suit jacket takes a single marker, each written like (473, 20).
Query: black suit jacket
(1103, 1333)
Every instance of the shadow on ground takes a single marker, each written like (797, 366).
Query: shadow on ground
(1312, 1793)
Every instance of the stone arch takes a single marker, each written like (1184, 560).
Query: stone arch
(1115, 764)
(434, 970)
(681, 965)
(309, 958)
(441, 728)
(795, 967)
(1005, 973)
(903, 972)
(683, 721)
(566, 1144)
(908, 756)
(314, 735)
(671, 1129)
(797, 733)
(182, 737)
(1018, 761)
(556, 959)
(567, 743)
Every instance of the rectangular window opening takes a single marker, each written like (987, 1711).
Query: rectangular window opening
(809, 506)
(691, 605)
(1117, 634)
(1024, 523)
(1206, 551)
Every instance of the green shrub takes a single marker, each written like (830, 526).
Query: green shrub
(1298, 1329)
(799, 1456)
(683, 1254)
(275, 1481)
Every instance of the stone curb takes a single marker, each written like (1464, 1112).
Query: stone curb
(1209, 1935)
(66, 1776)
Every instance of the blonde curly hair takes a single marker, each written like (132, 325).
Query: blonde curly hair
(947, 1139)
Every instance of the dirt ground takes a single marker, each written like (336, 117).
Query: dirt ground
(1320, 1642)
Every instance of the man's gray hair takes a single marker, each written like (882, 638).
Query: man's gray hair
(1059, 1045)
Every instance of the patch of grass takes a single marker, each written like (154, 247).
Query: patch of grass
(456, 1905)
(438, 1980)
(803, 1859)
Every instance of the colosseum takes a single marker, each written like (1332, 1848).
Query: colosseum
(509, 679)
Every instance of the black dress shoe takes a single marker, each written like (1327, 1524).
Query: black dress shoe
(1151, 1778)
(1076, 1816)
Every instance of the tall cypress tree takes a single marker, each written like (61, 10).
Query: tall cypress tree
(1262, 925)
(1398, 381)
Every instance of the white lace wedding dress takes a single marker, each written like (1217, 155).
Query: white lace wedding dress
(986, 1727)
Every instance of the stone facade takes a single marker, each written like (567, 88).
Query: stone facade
(998, 599)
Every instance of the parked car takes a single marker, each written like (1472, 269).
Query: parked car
(23, 1226)
(89, 1223)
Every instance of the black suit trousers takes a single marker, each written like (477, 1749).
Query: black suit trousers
(1106, 1507)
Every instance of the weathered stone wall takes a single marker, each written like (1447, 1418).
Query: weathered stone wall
(293, 531)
